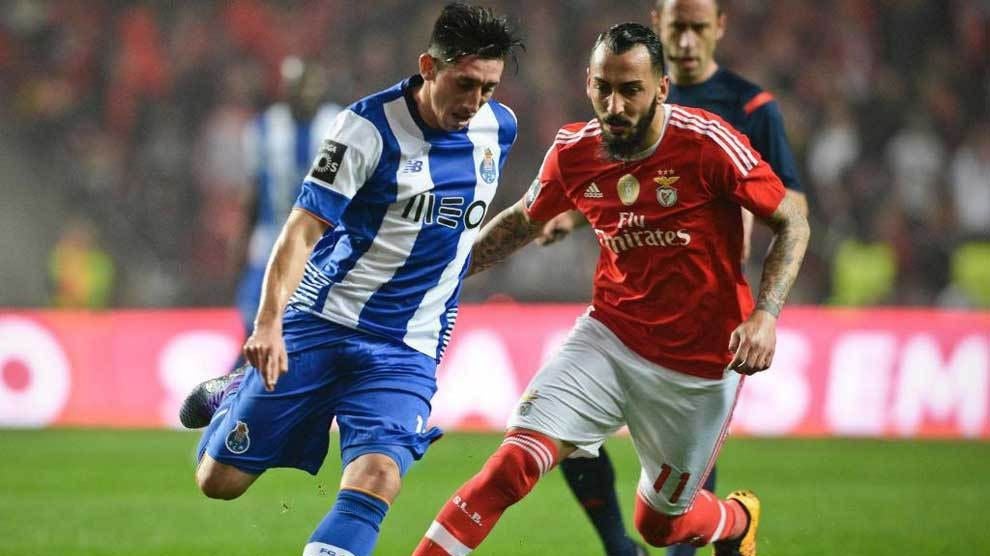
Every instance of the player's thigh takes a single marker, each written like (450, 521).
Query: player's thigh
(384, 408)
(287, 427)
(677, 423)
(576, 396)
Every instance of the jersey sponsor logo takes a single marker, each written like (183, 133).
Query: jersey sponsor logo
(449, 212)
(412, 167)
(628, 187)
(631, 219)
(666, 193)
(487, 169)
(592, 192)
(328, 161)
(239, 438)
(628, 239)
(533, 192)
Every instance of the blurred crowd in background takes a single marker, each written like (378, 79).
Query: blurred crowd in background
(123, 176)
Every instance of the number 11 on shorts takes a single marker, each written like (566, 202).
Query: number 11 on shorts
(665, 471)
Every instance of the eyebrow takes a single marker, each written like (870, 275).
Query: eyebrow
(623, 84)
(474, 81)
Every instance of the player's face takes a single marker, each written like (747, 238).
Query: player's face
(456, 91)
(689, 31)
(625, 94)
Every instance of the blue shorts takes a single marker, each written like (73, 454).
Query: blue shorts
(378, 389)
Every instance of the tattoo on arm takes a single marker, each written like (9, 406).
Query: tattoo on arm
(501, 237)
(784, 259)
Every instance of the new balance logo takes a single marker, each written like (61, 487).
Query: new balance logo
(412, 167)
(592, 192)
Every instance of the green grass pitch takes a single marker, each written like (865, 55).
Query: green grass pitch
(86, 492)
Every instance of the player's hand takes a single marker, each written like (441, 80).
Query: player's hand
(556, 229)
(265, 350)
(753, 343)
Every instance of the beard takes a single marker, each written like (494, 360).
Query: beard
(621, 148)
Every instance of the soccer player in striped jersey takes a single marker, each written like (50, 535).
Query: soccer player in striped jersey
(361, 289)
(689, 31)
(280, 145)
(673, 326)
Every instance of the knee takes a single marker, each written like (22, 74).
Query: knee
(215, 483)
(374, 473)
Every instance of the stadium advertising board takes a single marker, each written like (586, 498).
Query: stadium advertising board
(877, 373)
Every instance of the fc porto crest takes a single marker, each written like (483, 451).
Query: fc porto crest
(487, 169)
(628, 187)
(239, 438)
(666, 193)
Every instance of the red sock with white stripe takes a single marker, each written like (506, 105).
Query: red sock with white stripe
(508, 476)
(708, 520)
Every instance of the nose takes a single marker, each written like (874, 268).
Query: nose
(615, 104)
(477, 98)
(686, 40)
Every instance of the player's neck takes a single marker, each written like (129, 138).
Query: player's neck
(687, 81)
(422, 97)
(652, 139)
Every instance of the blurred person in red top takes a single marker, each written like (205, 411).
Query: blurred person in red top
(672, 326)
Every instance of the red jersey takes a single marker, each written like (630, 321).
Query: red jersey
(669, 282)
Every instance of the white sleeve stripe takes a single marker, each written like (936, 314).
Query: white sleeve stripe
(315, 274)
(735, 160)
(592, 125)
(746, 152)
(740, 147)
(309, 288)
(440, 535)
(572, 140)
(727, 141)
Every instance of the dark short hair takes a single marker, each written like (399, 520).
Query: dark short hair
(465, 30)
(622, 37)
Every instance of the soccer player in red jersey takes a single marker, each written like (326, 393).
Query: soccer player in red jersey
(689, 31)
(673, 326)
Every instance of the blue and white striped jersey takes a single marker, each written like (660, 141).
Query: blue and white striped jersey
(405, 202)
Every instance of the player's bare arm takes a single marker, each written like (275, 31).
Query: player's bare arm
(509, 231)
(560, 226)
(796, 196)
(791, 234)
(754, 341)
(265, 349)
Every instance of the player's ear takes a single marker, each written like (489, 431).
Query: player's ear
(427, 67)
(663, 89)
(720, 26)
